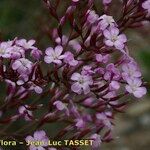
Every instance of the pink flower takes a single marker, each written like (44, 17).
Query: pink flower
(82, 83)
(146, 6)
(54, 55)
(59, 105)
(36, 54)
(26, 44)
(5, 50)
(69, 59)
(130, 71)
(39, 136)
(92, 17)
(23, 66)
(134, 87)
(111, 72)
(102, 58)
(25, 112)
(16, 52)
(106, 21)
(114, 85)
(87, 70)
(114, 39)
(35, 87)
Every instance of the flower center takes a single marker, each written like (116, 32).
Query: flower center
(114, 38)
(81, 81)
(109, 20)
(24, 63)
(55, 56)
(2, 51)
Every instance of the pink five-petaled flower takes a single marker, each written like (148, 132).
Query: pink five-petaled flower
(106, 21)
(54, 55)
(134, 87)
(25, 112)
(26, 44)
(23, 66)
(82, 83)
(130, 70)
(39, 136)
(146, 6)
(114, 39)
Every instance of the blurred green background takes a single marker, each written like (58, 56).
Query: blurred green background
(28, 18)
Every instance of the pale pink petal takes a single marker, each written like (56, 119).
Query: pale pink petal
(49, 51)
(48, 59)
(119, 45)
(86, 89)
(137, 81)
(114, 31)
(75, 77)
(31, 42)
(76, 88)
(61, 57)
(16, 65)
(109, 43)
(29, 138)
(122, 38)
(140, 92)
(107, 34)
(38, 89)
(58, 50)
(57, 61)
(115, 85)
(129, 89)
(39, 135)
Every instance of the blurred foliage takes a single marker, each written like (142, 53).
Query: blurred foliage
(18, 18)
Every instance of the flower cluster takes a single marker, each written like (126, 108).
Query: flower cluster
(78, 79)
(21, 70)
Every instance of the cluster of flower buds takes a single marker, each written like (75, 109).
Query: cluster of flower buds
(82, 80)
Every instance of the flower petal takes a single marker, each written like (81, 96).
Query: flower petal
(76, 87)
